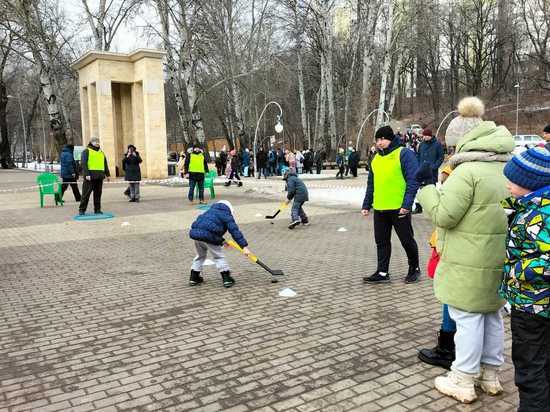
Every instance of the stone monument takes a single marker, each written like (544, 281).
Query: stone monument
(122, 103)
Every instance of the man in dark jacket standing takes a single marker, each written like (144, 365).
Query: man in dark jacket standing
(132, 172)
(69, 171)
(430, 152)
(261, 161)
(195, 168)
(391, 189)
(297, 190)
(353, 161)
(318, 159)
(94, 170)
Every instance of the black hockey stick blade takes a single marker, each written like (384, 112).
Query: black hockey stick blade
(274, 272)
(275, 215)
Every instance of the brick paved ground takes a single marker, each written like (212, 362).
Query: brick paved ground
(98, 315)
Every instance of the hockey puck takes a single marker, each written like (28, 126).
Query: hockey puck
(274, 281)
(271, 223)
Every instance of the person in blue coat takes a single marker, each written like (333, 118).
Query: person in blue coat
(430, 153)
(69, 171)
(207, 232)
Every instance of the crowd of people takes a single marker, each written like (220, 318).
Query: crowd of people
(491, 243)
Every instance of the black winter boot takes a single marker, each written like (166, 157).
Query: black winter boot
(443, 354)
(195, 278)
(228, 281)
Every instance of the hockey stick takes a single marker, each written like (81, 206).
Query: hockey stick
(254, 258)
(282, 206)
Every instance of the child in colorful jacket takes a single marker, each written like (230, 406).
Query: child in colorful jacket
(526, 282)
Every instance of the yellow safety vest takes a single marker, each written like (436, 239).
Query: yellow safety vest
(196, 163)
(96, 160)
(389, 183)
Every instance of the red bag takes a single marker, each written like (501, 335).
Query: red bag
(432, 263)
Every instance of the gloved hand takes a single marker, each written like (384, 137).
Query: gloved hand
(424, 174)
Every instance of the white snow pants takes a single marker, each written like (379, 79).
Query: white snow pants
(479, 338)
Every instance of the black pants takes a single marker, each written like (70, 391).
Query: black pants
(340, 172)
(383, 224)
(319, 167)
(353, 170)
(531, 357)
(74, 187)
(89, 186)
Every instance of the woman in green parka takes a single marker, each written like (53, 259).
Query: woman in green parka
(472, 227)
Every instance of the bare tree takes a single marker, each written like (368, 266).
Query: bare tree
(105, 21)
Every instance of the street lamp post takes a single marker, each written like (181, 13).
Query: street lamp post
(278, 129)
(517, 107)
(24, 128)
(365, 122)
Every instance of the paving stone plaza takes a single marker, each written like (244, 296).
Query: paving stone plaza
(98, 316)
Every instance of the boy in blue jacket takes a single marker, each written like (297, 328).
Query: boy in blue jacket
(207, 232)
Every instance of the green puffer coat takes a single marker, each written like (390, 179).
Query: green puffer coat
(471, 224)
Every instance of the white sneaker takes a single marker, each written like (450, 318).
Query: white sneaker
(457, 385)
(488, 380)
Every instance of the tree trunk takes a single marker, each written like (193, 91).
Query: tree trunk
(370, 26)
(5, 147)
(303, 110)
(386, 67)
(395, 86)
(173, 71)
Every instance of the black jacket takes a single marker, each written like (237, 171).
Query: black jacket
(131, 167)
(94, 174)
(261, 159)
(353, 160)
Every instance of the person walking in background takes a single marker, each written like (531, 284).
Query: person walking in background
(272, 161)
(526, 283)
(181, 164)
(430, 152)
(130, 165)
(299, 162)
(233, 172)
(195, 169)
(318, 159)
(94, 170)
(246, 162)
(391, 188)
(261, 162)
(349, 150)
(69, 171)
(340, 163)
(290, 159)
(223, 160)
(353, 161)
(308, 161)
(471, 228)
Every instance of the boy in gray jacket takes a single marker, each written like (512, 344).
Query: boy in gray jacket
(297, 190)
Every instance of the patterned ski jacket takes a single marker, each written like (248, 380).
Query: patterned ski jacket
(526, 283)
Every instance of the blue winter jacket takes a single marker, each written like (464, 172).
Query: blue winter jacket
(296, 188)
(431, 152)
(214, 223)
(409, 166)
(68, 164)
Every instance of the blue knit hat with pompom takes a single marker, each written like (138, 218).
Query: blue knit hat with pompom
(529, 169)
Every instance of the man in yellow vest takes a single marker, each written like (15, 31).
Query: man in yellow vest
(391, 189)
(195, 169)
(94, 170)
